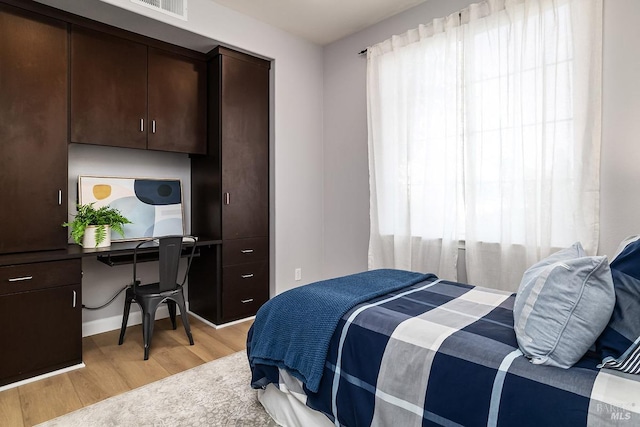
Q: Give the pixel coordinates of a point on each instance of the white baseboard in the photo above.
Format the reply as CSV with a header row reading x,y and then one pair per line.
x,y
224,325
112,323
41,377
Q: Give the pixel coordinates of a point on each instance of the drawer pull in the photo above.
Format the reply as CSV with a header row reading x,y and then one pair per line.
x,y
247,251
247,276
20,279
247,301
74,299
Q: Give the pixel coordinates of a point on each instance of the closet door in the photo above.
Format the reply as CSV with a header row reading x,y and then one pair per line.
x,y
244,135
33,132
108,90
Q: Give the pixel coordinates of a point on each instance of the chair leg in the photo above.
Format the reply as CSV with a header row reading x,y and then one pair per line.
x,y
185,322
185,317
125,316
147,332
148,319
171,305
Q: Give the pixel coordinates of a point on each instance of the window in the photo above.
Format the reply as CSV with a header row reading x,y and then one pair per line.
x,y
484,127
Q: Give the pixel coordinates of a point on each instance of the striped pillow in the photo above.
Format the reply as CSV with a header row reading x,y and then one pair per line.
x,y
619,344
629,362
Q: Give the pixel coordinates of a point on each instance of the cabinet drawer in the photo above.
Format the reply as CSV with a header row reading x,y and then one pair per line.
x,y
245,288
41,275
240,251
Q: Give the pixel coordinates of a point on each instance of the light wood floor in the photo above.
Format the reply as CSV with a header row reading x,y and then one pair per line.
x,y
112,369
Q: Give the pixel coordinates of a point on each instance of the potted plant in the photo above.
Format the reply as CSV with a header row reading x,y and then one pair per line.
x,y
91,227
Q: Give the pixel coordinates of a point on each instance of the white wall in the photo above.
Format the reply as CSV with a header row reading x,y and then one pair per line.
x,y
296,133
101,282
346,187
620,174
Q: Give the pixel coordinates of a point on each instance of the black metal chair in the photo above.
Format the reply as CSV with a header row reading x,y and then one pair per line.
x,y
167,289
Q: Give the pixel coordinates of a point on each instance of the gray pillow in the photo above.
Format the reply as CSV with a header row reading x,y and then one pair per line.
x,y
563,304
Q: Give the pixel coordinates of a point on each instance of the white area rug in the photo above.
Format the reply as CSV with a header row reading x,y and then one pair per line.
x,y
214,394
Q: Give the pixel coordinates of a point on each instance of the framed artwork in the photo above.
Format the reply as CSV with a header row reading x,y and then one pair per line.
x,y
154,206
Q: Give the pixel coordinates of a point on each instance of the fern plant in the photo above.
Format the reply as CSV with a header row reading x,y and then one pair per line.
x,y
88,215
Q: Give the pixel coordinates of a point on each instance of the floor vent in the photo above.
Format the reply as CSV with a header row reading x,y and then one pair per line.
x,y
175,8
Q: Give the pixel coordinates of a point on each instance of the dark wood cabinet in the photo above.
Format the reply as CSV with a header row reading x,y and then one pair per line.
x,y
33,131
66,79
230,186
177,103
41,318
127,94
245,287
244,146
108,90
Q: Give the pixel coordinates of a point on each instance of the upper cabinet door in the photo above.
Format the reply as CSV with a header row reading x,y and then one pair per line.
x,y
108,90
177,103
33,132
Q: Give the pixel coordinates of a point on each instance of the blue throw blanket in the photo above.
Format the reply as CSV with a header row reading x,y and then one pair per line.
x,y
292,331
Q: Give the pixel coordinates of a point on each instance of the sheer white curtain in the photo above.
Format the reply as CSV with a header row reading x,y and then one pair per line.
x,y
502,152
415,148
532,133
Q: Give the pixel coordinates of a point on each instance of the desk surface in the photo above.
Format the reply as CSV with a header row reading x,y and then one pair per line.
x,y
75,251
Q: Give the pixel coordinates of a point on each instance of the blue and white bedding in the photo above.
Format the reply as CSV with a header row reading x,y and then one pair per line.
x,y
438,352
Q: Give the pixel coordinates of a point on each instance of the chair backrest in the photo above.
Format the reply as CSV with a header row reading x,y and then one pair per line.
x,y
170,252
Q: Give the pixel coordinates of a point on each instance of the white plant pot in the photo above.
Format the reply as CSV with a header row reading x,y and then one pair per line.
x,y
89,238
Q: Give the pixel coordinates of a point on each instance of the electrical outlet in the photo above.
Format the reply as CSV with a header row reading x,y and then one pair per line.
x,y
298,274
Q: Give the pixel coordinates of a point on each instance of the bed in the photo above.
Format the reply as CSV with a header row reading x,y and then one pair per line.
x,y
414,350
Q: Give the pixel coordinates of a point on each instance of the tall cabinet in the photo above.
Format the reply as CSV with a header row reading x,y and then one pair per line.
x,y
40,302
230,190
33,131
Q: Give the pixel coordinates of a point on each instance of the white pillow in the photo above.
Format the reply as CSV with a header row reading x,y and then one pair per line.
x,y
563,304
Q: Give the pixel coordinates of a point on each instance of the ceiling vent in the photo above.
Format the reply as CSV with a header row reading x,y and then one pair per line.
x,y
175,8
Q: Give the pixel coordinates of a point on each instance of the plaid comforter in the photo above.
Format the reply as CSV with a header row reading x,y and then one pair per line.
x,y
444,353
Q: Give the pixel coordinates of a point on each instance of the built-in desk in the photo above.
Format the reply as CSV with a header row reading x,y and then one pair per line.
x,y
122,252
41,304
118,252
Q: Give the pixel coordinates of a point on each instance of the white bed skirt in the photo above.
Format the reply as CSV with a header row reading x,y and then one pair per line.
x,y
287,410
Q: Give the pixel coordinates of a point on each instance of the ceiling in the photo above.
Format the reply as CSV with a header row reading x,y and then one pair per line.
x,y
320,21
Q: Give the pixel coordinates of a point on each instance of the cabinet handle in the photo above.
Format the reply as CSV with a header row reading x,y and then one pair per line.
x,y
227,198
141,125
247,251
74,299
20,279
247,276
153,126
246,301
59,197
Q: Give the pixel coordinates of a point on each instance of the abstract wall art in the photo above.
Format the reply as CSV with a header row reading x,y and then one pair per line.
x,y
154,206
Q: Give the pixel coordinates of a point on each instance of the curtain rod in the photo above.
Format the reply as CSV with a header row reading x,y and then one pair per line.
x,y
363,51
